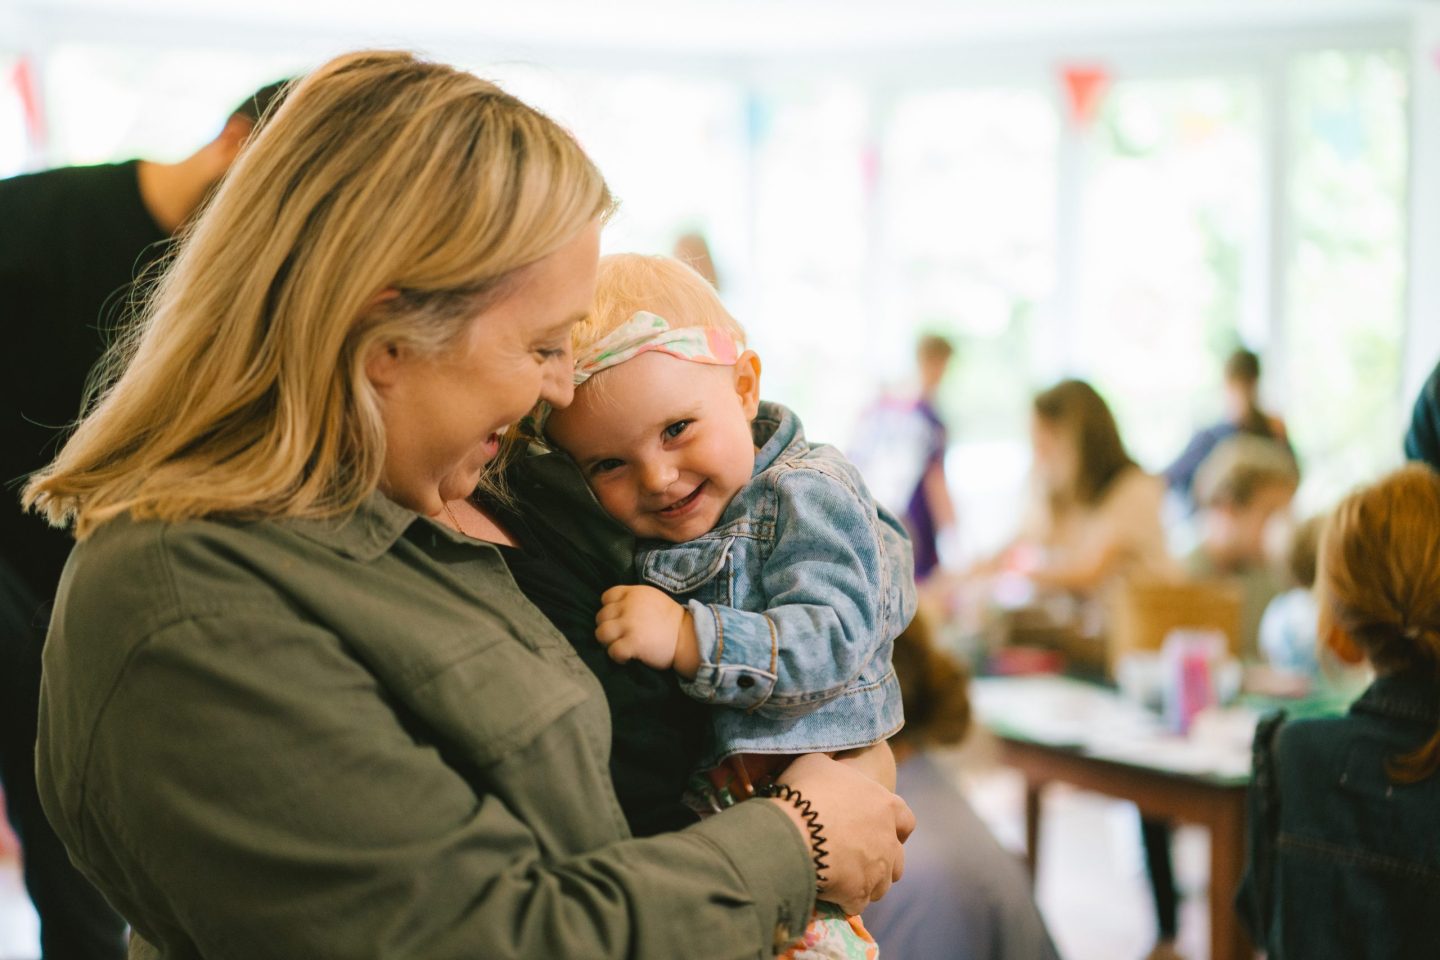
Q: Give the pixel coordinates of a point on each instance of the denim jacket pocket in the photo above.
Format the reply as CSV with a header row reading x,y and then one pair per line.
x,y
685,568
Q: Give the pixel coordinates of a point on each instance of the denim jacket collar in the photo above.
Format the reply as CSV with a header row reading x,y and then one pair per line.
x,y
1404,696
777,434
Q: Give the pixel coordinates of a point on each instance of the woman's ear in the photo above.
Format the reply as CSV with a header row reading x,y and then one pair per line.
x,y
1343,645
382,365
747,382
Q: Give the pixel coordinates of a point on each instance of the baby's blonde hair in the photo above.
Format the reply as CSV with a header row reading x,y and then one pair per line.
x,y
631,282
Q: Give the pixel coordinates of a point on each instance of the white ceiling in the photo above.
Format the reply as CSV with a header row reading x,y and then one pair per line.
x,y
729,28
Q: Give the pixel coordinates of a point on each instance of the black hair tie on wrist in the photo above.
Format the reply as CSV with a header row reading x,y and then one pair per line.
x,y
818,853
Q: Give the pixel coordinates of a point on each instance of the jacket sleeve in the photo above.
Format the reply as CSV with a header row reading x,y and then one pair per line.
x,y
1254,900
315,819
833,568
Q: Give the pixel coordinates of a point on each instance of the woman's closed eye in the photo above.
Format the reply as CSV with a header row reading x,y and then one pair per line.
x,y
677,428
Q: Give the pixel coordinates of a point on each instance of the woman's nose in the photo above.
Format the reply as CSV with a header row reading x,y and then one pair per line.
x,y
558,388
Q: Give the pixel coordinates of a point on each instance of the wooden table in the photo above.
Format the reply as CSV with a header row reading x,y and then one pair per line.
x,y
1216,802
1219,807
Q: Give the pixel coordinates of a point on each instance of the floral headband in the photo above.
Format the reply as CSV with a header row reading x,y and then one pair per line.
x,y
648,333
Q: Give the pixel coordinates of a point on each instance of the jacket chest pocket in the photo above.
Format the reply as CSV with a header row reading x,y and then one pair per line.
x,y
701,570
494,701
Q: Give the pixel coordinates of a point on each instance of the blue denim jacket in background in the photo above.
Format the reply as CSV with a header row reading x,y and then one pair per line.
x,y
797,596
1344,864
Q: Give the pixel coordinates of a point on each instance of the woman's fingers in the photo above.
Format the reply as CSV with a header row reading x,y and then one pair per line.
x,y
864,826
904,824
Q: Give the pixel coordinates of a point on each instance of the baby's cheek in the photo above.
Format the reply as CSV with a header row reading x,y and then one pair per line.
x,y
614,500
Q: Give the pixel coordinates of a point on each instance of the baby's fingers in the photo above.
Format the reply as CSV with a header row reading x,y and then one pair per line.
x,y
610,631
622,651
615,594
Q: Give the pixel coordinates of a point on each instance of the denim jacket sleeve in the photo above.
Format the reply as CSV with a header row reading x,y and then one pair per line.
x,y
832,570
1253,901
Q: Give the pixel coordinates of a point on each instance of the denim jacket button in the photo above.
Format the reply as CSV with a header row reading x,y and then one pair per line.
x,y
745,682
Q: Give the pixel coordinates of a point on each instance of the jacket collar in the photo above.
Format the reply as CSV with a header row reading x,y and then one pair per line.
x,y
776,430
1405,696
364,534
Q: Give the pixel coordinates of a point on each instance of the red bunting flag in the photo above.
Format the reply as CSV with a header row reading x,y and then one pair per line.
x,y
1085,87
23,79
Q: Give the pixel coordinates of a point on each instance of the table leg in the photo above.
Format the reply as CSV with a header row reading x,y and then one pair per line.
x,y
1032,828
1227,860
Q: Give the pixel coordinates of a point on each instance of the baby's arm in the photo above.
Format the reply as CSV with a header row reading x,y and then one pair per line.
x,y
823,587
876,761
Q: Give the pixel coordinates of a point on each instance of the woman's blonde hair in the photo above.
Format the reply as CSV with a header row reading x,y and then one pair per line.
x,y
628,283
241,391
1379,582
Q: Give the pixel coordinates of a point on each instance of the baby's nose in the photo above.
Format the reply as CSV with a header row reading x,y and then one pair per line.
x,y
658,476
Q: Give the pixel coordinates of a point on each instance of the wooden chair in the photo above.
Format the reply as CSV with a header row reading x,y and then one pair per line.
x,y
1144,612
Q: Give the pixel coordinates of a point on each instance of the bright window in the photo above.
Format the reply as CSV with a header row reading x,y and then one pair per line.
x,y
969,193
1171,227
1345,275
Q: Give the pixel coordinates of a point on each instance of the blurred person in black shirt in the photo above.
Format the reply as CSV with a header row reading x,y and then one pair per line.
x,y
73,243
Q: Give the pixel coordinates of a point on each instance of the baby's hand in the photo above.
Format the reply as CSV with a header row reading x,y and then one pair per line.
x,y
642,623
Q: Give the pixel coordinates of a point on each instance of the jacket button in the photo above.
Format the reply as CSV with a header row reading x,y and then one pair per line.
x,y
745,682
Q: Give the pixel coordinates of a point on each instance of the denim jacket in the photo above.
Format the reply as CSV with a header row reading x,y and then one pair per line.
x,y
797,596
1342,862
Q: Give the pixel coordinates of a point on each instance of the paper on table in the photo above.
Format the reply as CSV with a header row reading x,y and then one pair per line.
x,y
1061,712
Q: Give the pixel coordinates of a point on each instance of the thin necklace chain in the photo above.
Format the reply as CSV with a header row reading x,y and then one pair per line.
x,y
454,520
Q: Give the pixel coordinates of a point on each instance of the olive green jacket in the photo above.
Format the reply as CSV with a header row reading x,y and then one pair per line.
x,y
357,739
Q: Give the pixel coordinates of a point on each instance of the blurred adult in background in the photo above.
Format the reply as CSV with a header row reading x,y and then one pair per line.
x,y
963,897
1242,487
1242,414
1094,518
1423,441
1094,524
73,241
900,446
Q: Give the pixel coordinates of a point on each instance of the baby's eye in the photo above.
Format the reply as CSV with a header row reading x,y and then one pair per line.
x,y
604,466
676,428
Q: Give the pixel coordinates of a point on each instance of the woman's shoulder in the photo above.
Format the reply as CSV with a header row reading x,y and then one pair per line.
x,y
1133,491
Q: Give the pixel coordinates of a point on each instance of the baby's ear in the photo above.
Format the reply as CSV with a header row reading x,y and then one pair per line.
x,y
747,382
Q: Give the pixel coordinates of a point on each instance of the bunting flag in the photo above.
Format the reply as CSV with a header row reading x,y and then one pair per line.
x,y
22,77
1085,87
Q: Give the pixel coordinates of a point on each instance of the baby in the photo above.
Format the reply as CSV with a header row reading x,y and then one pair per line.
x,y
772,583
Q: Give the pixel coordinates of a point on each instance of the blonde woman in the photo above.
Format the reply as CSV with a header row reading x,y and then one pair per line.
x,y
294,706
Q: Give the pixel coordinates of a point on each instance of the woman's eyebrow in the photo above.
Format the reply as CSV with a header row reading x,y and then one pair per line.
x,y
564,325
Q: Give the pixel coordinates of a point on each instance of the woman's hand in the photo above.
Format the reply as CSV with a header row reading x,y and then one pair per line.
x,y
864,825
